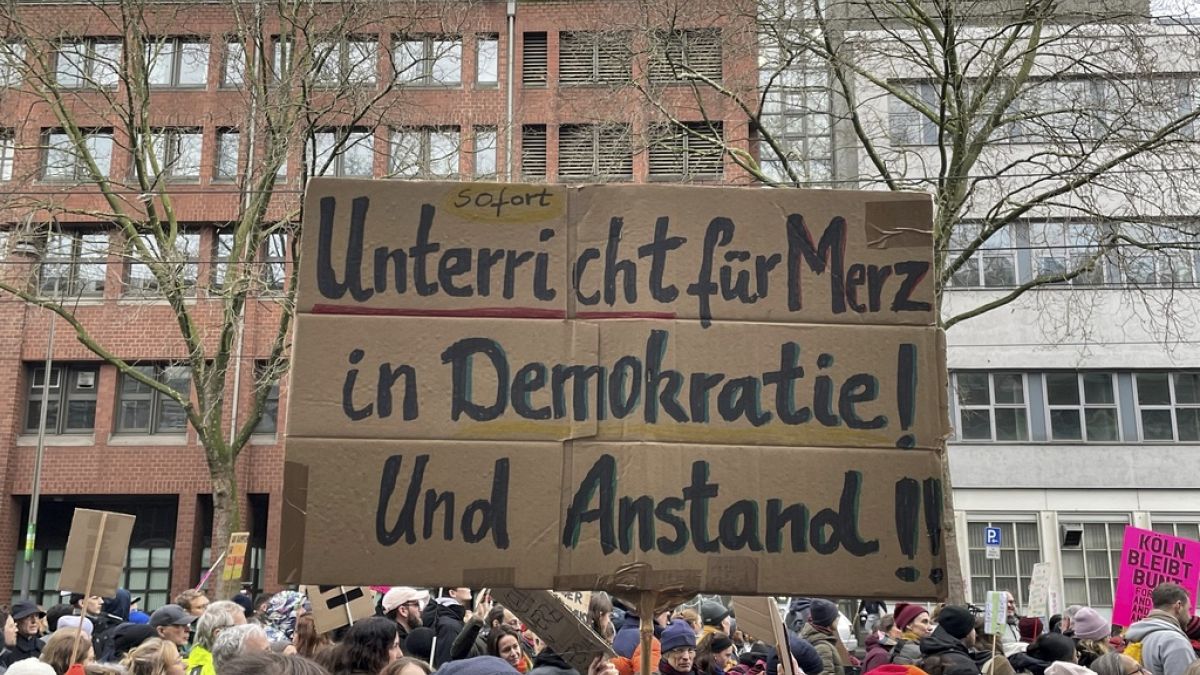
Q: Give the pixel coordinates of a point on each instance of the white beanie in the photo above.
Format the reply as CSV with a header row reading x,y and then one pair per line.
x,y
73,621
30,666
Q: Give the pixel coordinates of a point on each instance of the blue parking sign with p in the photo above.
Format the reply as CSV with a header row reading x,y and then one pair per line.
x,y
991,536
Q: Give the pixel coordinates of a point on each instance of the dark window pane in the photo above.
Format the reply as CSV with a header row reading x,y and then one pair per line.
x,y
1010,388
973,389
976,425
1153,389
1097,388
1062,388
1102,424
1011,425
1064,425
1187,388
1156,425
1189,423
81,415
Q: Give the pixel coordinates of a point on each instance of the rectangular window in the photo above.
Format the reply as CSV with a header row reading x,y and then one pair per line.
x,y
1090,570
177,62
74,265
282,55
1168,406
487,60
533,152
141,409
233,65
268,423
342,152
681,55
347,62
424,152
907,124
1020,550
148,574
695,151
429,60
991,406
594,58
62,161
70,400
87,63
1062,249
533,59
228,142
1185,530
992,265
1083,407
176,152
221,258
181,264
274,261
12,63
595,152
485,153
8,151
1167,266
796,111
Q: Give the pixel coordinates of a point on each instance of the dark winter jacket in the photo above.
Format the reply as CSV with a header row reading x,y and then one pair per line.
x,y
944,654
1024,663
879,651
549,663
826,646
446,621
26,647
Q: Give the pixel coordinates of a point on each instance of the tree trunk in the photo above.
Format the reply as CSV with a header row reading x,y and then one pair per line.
x,y
955,584
227,518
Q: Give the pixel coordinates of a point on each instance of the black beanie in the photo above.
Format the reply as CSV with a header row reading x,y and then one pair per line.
x,y
712,613
957,621
720,642
419,643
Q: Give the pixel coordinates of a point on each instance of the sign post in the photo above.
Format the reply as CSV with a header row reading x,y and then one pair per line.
x,y
992,542
626,370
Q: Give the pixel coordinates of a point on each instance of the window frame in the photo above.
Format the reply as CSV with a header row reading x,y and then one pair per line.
x,y
345,73
480,40
8,154
190,267
991,407
271,403
1072,252
176,66
344,139
89,74
1114,553
75,260
158,401
1081,407
231,78
1020,591
427,62
67,374
1173,405
12,63
491,150
170,158
999,246
220,154
425,159
78,167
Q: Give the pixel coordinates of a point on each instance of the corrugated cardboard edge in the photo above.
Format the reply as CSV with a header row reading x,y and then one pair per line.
x,y
291,530
888,223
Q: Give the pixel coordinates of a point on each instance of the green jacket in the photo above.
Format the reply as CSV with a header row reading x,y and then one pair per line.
x,y
200,662
826,646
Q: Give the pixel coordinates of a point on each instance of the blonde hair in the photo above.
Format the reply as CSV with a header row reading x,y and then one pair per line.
x,y
691,616
185,598
152,657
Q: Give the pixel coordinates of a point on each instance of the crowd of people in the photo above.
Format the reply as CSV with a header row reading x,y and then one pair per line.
x,y
457,633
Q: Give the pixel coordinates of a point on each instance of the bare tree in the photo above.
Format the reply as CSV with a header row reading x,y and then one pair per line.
x,y
304,81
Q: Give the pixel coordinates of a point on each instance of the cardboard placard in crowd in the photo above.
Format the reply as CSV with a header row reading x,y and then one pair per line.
x,y
617,388
556,624
337,606
235,556
578,602
758,617
97,547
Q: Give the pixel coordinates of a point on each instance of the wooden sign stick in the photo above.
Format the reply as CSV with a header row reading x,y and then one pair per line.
x,y
646,609
87,593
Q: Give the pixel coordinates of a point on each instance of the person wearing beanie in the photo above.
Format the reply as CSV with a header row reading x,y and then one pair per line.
x,y
714,654
714,617
419,643
947,650
1192,631
879,644
1068,620
1091,634
476,665
913,622
803,655
1044,651
821,633
1029,629
678,644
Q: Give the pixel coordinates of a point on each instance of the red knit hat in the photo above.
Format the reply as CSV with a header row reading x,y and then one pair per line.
x,y
1193,628
1030,628
896,669
906,613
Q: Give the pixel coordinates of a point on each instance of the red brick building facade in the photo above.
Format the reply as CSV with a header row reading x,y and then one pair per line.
x,y
575,118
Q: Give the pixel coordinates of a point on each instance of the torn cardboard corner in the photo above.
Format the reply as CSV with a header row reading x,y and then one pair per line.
x,y
556,625
97,547
622,516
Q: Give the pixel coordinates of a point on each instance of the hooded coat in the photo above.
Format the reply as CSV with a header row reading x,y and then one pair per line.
x,y
445,617
879,651
944,654
549,663
826,646
1166,650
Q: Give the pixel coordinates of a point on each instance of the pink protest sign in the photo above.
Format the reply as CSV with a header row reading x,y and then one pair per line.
x,y
1147,560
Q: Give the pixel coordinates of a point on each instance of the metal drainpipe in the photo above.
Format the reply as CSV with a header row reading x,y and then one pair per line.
x,y
508,146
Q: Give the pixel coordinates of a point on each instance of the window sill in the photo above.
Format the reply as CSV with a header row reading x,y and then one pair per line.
x,y
179,87
430,86
77,301
488,86
156,300
263,439
593,85
127,439
680,178
58,440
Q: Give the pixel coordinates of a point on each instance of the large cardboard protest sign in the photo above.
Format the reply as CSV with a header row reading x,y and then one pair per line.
x,y
337,606
617,387
556,624
758,617
97,546
1148,559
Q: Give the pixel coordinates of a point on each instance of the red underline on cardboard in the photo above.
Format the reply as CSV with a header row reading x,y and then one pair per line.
x,y
479,312
625,315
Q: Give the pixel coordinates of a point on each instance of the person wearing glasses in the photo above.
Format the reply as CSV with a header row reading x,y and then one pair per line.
x,y
1166,650
1115,663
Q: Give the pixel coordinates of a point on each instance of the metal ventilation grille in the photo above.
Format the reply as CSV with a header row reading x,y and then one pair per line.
x,y
594,58
533,152
677,153
676,55
594,152
533,60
